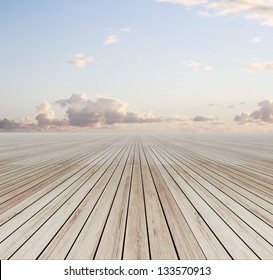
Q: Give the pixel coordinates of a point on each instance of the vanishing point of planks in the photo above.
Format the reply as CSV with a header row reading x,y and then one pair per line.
x,y
135,196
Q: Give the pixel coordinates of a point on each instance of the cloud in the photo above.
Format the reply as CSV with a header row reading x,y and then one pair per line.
x,y
80,60
6,124
260,10
46,116
204,14
263,115
83,113
184,2
202,118
196,65
125,29
103,111
258,66
232,106
256,40
110,40
213,104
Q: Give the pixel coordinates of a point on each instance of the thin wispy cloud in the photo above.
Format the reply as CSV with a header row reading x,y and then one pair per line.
x,y
125,29
204,14
260,10
258,66
185,2
256,40
264,114
233,106
196,65
111,40
81,60
230,106
213,104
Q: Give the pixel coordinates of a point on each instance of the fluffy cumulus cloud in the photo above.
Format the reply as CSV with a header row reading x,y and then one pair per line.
x,y
103,111
263,115
6,124
261,10
83,113
81,60
46,116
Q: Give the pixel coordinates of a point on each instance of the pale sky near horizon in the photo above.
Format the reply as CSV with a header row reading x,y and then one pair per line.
x,y
142,61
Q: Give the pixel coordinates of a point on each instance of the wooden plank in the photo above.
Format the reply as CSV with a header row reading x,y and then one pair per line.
x,y
136,244
88,239
111,244
64,206
202,203
122,196
22,212
187,246
62,242
29,195
194,239
160,237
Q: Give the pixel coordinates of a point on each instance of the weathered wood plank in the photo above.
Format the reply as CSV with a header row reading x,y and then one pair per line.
x,y
184,239
128,196
87,241
160,237
136,244
60,209
111,244
202,201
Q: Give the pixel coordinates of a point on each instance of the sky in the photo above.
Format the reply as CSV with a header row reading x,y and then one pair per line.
x,y
184,65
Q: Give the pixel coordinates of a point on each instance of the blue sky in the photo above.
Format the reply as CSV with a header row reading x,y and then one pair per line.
x,y
191,63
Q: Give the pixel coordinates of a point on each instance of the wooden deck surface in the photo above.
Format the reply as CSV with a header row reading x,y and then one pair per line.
x,y
135,196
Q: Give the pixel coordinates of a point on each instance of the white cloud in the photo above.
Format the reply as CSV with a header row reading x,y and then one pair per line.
x,y
46,116
260,10
81,60
204,14
256,40
257,66
125,29
263,115
82,112
104,111
44,119
196,65
110,40
185,2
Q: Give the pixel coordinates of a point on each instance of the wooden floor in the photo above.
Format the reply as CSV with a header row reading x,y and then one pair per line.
x,y
136,196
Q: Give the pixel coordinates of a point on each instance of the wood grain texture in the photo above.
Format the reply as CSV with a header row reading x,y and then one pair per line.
x,y
136,196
